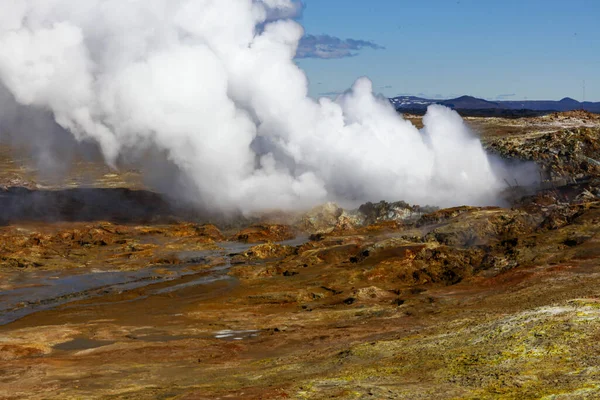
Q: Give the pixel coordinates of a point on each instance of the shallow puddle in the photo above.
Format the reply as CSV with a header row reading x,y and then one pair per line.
x,y
228,334
196,282
54,289
82,344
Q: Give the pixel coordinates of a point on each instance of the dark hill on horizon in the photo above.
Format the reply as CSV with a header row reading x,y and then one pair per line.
x,y
474,105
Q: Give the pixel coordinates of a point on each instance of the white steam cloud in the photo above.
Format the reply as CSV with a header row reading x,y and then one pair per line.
x,y
213,85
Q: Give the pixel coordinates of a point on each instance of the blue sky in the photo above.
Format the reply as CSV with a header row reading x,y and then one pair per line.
x,y
509,49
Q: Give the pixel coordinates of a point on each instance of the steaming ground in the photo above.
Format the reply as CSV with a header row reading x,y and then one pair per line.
x,y
208,90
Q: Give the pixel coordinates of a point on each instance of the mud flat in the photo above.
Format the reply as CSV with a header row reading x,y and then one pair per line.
x,y
391,302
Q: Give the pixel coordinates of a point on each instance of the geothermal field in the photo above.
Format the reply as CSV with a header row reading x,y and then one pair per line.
x,y
110,290
179,219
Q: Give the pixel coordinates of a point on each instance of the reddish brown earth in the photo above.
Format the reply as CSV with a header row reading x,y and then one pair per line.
x,y
462,303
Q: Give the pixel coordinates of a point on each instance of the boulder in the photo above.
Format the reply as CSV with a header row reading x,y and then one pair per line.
x,y
265,233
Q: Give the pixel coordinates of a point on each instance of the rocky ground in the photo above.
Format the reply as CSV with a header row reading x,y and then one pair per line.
x,y
390,301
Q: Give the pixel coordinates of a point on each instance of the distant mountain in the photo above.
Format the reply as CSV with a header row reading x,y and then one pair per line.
x,y
566,104
470,103
411,103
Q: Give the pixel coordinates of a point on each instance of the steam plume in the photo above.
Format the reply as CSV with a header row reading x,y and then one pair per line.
x,y
212,85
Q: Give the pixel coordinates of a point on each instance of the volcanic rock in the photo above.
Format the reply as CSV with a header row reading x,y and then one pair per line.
x,y
322,219
267,251
265,233
398,211
564,155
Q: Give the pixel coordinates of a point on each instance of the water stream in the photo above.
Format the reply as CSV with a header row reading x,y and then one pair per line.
x,y
42,290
